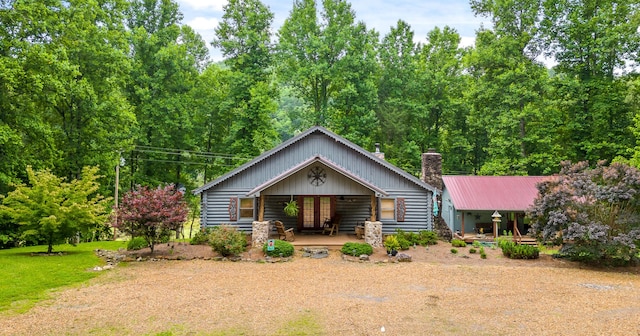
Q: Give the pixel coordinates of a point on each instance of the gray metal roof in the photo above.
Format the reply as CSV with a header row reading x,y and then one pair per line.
x,y
335,137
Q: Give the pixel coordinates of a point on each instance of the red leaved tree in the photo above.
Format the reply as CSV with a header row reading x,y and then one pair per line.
x,y
151,213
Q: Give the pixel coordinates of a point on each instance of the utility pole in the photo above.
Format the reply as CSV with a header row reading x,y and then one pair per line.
x,y
120,162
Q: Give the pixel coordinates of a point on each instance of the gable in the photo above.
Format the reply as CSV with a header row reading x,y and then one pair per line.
x,y
339,180
362,166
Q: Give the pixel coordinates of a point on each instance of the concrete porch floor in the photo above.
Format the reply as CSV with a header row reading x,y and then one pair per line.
x,y
318,239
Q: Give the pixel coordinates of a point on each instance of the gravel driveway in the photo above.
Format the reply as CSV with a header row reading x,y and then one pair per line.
x,y
437,294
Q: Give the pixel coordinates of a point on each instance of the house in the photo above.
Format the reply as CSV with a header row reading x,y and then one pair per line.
x,y
468,202
327,175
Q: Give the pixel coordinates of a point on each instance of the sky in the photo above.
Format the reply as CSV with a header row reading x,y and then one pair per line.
x,y
381,15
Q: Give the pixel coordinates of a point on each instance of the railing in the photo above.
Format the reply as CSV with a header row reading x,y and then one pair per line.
x,y
517,237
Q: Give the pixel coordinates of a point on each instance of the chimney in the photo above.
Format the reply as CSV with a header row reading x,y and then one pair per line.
x,y
377,153
432,168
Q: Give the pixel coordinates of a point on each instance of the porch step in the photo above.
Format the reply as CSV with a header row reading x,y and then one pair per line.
x,y
529,241
320,240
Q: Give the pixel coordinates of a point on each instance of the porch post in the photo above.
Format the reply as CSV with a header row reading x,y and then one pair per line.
x,y
261,209
374,209
462,228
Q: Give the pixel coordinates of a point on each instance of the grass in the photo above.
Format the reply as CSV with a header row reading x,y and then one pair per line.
x,y
27,279
304,324
548,250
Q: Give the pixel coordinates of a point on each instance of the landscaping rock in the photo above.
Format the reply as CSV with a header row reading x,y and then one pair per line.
x,y
315,252
403,257
364,257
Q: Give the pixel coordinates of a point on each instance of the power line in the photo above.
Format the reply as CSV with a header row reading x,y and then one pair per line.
x,y
228,157
175,151
185,162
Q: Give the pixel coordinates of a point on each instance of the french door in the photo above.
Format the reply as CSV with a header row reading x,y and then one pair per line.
x,y
315,209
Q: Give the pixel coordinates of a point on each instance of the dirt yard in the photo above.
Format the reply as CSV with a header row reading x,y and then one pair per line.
x,y
439,293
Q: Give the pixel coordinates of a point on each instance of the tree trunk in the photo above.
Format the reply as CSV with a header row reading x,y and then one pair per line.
x,y
50,242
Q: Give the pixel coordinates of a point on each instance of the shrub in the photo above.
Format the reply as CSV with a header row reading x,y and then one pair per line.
x,y
281,248
454,251
137,243
426,237
422,238
594,209
201,237
472,250
476,244
391,243
227,241
356,249
458,243
152,213
483,255
404,243
516,251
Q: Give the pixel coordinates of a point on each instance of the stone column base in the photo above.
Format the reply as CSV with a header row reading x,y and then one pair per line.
x,y
373,233
259,233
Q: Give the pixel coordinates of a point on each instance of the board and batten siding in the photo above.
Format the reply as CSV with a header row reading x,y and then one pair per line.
x,y
313,145
336,184
418,216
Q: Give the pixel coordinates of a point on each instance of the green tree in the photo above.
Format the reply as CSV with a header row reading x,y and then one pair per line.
x,y
244,39
352,113
511,118
63,76
167,57
211,123
439,92
329,61
508,95
398,97
592,41
54,210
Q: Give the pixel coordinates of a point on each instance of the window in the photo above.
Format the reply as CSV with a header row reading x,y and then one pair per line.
x,y
387,208
246,208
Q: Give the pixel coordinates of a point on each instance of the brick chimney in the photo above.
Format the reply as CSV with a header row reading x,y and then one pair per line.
x,y
432,168
377,153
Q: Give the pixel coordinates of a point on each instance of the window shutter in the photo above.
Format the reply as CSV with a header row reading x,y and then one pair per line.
x,y
400,209
233,209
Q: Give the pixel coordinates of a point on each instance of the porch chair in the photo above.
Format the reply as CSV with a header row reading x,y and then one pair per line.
x,y
284,234
331,225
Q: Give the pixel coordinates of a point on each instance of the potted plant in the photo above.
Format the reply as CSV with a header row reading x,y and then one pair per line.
x,y
291,208
392,245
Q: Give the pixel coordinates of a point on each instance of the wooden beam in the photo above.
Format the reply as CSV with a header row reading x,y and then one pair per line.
x,y
374,209
462,229
261,209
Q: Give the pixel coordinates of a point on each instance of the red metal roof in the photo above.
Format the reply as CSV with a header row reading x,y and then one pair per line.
x,y
513,193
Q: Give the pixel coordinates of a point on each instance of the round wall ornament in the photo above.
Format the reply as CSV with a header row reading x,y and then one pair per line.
x,y
317,176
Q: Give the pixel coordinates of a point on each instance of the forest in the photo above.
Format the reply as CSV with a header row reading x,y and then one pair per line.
x,y
124,83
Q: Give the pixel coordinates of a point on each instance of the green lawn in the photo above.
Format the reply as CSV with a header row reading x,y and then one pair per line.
x,y
26,279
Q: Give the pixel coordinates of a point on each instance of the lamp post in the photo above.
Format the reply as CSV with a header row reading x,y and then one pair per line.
x,y
496,223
